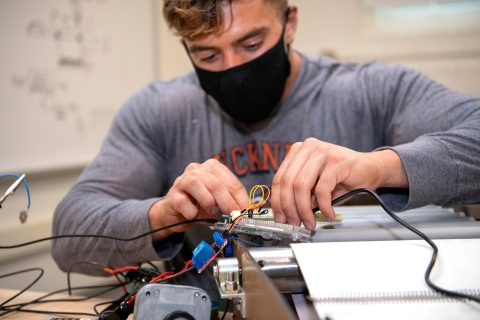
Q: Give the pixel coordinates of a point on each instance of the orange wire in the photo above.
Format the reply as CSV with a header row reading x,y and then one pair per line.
x,y
254,205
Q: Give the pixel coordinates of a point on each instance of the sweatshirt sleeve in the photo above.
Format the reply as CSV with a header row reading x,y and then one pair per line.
x,y
434,130
115,192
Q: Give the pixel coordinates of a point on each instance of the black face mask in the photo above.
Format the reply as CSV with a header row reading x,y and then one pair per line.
x,y
251,91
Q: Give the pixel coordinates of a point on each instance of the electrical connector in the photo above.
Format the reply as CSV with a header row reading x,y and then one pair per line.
x,y
202,253
235,214
219,240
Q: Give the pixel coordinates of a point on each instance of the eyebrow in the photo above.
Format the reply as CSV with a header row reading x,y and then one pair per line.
x,y
252,33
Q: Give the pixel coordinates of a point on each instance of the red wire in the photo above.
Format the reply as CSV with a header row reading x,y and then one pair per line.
x,y
164,275
120,281
114,271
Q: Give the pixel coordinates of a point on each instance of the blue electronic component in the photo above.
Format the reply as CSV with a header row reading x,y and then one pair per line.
x,y
201,254
217,237
228,250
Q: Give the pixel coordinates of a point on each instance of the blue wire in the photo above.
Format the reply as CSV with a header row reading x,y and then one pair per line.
x,y
243,240
24,183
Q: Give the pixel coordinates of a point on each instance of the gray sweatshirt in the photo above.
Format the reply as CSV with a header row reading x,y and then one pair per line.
x,y
167,125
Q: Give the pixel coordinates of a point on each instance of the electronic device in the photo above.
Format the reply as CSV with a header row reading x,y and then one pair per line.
x,y
171,302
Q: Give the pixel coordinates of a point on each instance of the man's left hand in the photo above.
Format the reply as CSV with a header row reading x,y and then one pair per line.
x,y
315,172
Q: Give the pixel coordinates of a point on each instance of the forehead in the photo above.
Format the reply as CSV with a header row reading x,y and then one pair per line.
x,y
241,17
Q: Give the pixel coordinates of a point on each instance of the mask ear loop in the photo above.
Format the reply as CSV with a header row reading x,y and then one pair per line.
x,y
287,46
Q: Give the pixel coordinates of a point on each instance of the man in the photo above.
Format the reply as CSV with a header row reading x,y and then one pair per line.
x,y
202,139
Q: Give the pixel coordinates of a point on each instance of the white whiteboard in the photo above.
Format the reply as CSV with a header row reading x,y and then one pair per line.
x,y
65,69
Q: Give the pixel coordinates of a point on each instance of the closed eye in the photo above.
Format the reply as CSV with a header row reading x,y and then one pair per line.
x,y
253,47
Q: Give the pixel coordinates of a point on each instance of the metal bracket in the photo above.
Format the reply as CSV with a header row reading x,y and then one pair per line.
x,y
227,277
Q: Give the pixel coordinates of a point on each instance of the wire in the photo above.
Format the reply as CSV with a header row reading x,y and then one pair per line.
x,y
153,266
246,241
24,183
108,237
54,312
69,271
27,287
226,309
414,230
216,304
251,205
101,304
18,307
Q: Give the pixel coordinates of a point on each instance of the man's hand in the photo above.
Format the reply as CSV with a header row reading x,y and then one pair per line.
x,y
201,191
315,172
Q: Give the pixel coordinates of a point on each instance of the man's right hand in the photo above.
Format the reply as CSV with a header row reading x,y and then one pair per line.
x,y
202,191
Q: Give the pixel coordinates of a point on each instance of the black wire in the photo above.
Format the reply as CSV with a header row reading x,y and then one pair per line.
x,y
226,310
69,271
131,294
414,230
53,312
109,237
175,275
152,265
26,288
100,304
19,307
40,299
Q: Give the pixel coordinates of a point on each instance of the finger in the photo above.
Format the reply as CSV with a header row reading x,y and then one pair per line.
x,y
202,183
234,186
323,191
195,186
339,191
179,203
290,180
304,183
276,183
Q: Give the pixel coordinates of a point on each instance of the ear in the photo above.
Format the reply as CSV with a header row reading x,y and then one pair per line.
x,y
291,26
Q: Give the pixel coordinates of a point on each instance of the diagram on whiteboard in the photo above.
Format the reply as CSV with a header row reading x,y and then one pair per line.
x,y
66,67
76,43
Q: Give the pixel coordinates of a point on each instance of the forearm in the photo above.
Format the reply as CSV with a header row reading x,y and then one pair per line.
x,y
83,213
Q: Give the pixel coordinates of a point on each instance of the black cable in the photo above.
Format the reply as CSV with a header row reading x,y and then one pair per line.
x,y
100,304
226,310
175,275
109,237
414,230
153,266
26,288
54,312
19,307
69,271
40,299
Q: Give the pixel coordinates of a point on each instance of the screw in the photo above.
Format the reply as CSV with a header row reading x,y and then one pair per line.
x,y
239,304
231,284
196,294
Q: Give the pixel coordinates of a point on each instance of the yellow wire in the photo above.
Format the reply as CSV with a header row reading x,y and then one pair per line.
x,y
262,201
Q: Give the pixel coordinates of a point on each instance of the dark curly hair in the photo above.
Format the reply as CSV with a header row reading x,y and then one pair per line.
x,y
196,19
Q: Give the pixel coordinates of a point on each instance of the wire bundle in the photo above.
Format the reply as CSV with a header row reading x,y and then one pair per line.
x,y
160,277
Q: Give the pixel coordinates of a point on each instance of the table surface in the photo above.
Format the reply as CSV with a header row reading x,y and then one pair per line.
x,y
70,306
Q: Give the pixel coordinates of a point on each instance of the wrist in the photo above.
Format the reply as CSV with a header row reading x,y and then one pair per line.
x,y
391,170
155,215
